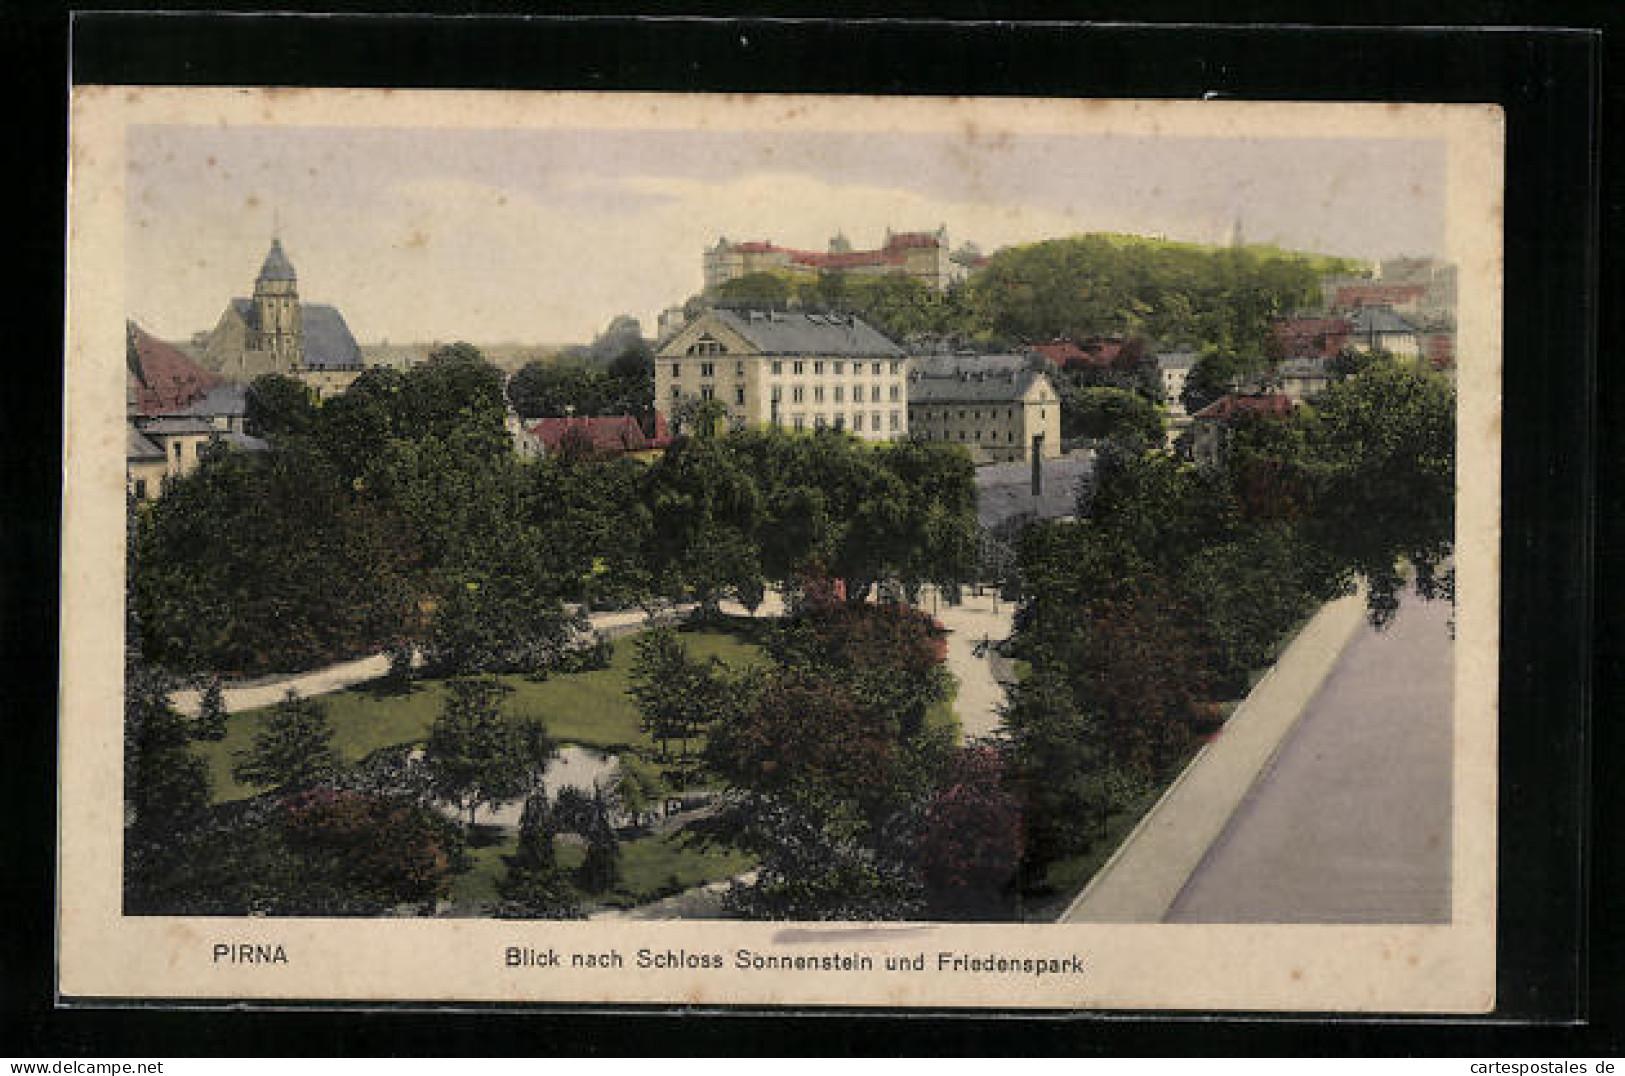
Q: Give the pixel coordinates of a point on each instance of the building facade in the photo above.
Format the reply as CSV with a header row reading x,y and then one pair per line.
x,y
925,256
798,371
991,405
274,332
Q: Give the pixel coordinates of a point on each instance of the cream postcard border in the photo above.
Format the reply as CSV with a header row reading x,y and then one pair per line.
x,y
102,954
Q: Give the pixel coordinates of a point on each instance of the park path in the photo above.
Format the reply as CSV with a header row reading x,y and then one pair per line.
x,y
980,696
346,674
1350,823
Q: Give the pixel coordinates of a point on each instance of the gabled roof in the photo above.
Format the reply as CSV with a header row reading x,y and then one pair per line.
x,y
607,434
780,332
1095,353
1378,319
165,378
276,265
1234,406
328,342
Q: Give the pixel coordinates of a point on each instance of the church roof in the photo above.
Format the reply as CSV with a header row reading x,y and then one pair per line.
x,y
328,342
167,381
277,266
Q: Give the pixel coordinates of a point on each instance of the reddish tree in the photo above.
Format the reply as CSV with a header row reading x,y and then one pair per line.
x,y
387,847
972,838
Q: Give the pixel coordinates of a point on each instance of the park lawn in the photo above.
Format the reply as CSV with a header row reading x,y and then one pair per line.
x,y
651,867
592,709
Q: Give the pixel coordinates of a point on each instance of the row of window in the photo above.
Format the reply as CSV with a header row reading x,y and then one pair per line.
x,y
926,414
798,366
894,421
798,394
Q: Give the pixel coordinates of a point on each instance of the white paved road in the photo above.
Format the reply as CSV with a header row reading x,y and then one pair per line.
x,y
1350,823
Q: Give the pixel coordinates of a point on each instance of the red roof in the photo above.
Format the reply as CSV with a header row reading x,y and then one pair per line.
x,y
893,253
167,380
1349,296
1095,353
608,434
1305,338
907,240
1233,406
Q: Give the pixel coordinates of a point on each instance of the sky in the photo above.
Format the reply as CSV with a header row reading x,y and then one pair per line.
x,y
542,236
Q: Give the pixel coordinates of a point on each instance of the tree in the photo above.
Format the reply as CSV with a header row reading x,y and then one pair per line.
x,y
278,407
475,756
533,886
677,696
971,840
211,716
452,354
1099,413
293,750
754,290
639,788
380,850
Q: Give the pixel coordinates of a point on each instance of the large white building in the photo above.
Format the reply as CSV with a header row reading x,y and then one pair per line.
x,y
795,370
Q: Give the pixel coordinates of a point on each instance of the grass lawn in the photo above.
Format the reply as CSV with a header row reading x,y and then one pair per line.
x,y
651,868
592,709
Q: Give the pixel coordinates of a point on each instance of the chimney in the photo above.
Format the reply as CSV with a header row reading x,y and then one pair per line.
x,y
1038,465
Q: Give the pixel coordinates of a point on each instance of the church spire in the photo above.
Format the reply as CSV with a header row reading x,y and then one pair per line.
x,y
276,266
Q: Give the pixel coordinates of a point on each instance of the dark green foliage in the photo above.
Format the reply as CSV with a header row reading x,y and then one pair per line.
x,y
293,750
211,716
1098,413
477,756
279,408
534,887
677,696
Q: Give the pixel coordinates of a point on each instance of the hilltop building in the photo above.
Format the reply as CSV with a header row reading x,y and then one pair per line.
x,y
925,256
274,332
791,369
992,405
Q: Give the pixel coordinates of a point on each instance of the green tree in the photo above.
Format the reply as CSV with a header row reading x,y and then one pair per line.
x,y
294,749
533,886
1098,413
677,695
639,789
211,716
279,407
475,756
754,290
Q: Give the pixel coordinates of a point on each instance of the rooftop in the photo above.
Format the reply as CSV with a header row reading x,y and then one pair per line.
x,y
780,332
1236,406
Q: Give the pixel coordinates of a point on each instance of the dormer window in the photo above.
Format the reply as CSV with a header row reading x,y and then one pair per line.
x,y
707,345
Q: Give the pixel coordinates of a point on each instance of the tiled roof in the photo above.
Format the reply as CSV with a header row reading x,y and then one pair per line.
x,y
1065,353
1299,337
779,332
277,266
893,252
606,434
227,399
166,380
1232,406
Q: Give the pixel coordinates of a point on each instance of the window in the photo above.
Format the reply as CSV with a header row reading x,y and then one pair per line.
x,y
896,420
978,435
708,369
975,414
798,367
875,369
874,394
778,393
818,421
707,392
676,393
840,393
840,422
798,394
961,435
896,393
893,367
839,368
857,421
778,367
141,488
739,394
874,422
177,451
818,394
739,368
198,449
818,367
677,369
798,421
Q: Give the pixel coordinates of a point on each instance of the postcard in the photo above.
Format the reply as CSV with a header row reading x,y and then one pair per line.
x,y
685,549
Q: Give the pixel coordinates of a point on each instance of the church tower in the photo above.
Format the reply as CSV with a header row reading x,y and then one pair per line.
x,y
276,306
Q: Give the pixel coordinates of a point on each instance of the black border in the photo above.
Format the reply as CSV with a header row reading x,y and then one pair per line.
x,y
1547,80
